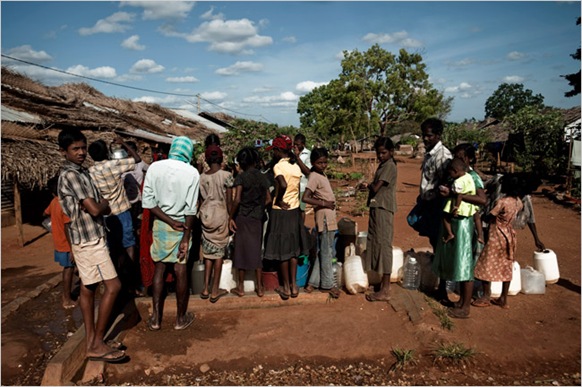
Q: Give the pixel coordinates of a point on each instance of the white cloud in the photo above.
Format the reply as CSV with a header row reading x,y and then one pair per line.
x,y
263,89
162,10
182,79
516,55
111,24
230,36
146,66
513,79
462,87
169,100
290,39
27,53
400,37
340,55
214,95
284,99
131,43
99,72
210,15
240,67
307,86
461,63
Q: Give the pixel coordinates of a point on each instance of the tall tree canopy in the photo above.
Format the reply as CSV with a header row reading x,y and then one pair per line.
x,y
376,90
510,98
574,79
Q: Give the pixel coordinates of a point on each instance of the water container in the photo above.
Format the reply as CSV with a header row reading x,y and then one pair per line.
x,y
397,263
249,282
197,277
361,243
227,281
337,269
532,281
546,262
302,270
355,278
514,285
411,280
270,280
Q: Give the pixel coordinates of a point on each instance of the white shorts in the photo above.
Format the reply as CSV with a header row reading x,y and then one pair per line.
x,y
93,261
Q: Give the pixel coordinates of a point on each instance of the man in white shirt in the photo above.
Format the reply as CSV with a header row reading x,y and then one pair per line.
x,y
304,161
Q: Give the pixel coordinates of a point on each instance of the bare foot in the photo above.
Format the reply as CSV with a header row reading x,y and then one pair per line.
x,y
237,291
500,302
448,238
260,291
69,304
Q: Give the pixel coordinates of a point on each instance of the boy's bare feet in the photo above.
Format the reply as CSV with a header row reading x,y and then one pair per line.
x,y
378,296
448,238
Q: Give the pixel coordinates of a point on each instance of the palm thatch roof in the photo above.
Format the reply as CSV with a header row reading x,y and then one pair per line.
x,y
34,114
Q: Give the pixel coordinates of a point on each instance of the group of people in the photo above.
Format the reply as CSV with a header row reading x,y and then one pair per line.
x,y
261,208
470,225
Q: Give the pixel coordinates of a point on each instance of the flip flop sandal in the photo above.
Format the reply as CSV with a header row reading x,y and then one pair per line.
x,y
105,357
294,295
308,289
152,326
220,295
115,344
237,292
333,292
481,303
457,313
280,292
189,317
372,298
260,292
496,302
204,296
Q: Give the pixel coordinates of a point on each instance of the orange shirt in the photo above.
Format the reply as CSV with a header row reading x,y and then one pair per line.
x,y
58,220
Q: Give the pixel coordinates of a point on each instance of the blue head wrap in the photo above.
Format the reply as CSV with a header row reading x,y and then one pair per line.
x,y
182,149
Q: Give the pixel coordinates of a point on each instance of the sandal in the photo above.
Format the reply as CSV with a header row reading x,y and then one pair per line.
x,y
333,292
479,303
308,289
188,320
205,296
295,294
237,292
260,292
281,292
153,326
220,295
457,313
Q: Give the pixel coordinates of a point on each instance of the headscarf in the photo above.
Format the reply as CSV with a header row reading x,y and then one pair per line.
x,y
182,149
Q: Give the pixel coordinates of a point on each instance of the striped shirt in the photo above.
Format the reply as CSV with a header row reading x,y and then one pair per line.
x,y
74,186
434,167
106,175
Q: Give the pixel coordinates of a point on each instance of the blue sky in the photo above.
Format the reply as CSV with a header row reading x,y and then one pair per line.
x,y
254,60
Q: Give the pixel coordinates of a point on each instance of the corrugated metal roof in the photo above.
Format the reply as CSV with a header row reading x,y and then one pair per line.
x,y
195,117
140,133
16,116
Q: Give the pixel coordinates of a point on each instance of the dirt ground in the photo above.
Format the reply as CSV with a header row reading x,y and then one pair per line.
x,y
345,342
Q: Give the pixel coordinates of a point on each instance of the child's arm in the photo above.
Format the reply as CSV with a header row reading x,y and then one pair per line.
x,y
375,187
94,208
130,151
234,207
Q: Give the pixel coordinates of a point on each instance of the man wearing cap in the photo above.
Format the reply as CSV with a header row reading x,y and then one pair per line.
x,y
171,193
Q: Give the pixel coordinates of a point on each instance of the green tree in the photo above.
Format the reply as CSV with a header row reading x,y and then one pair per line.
x,y
376,90
574,79
509,98
539,144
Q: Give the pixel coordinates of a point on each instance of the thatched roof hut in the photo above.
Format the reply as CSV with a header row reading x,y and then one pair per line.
x,y
34,114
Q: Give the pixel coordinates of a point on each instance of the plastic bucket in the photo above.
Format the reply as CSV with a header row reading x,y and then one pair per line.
x,y
546,262
397,263
249,283
302,271
270,280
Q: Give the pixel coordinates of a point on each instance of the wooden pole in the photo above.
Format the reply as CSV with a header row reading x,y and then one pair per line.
x,y
18,215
